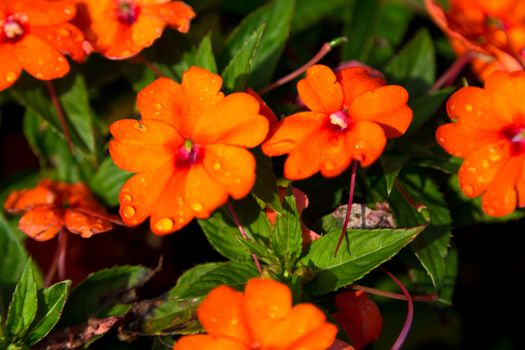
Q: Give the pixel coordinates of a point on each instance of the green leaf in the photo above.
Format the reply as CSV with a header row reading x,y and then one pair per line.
x,y
23,307
235,74
286,239
265,187
364,251
223,234
107,181
12,263
431,247
426,106
204,57
274,19
51,302
308,13
414,67
105,293
392,165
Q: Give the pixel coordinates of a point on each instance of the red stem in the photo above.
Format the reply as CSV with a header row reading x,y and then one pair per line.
x,y
410,313
453,71
425,298
326,48
59,260
349,208
244,235
60,113
150,65
411,201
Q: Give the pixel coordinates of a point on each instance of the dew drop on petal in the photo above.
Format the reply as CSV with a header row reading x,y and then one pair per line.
x,y
217,166
469,108
128,211
141,127
237,181
472,169
180,202
468,190
10,76
228,173
157,106
68,11
485,163
164,225
39,75
63,32
490,211
127,198
197,207
126,189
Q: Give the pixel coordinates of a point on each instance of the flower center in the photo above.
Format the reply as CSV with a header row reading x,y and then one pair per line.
x,y
13,28
516,135
339,119
127,11
189,153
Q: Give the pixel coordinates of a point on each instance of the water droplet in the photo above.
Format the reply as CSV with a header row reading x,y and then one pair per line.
x,y
126,189
490,211
63,32
141,127
10,76
127,198
197,207
469,108
452,107
164,225
442,140
482,179
40,62
180,220
485,164
157,106
228,173
494,157
128,211
237,180
61,59
472,169
468,190
217,166
39,75
68,11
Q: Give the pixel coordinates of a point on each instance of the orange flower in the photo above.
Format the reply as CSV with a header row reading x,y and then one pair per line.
x,y
262,318
489,132
359,317
119,29
34,35
189,150
352,114
493,29
53,206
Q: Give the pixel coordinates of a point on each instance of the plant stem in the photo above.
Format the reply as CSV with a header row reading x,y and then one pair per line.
x,y
244,235
150,65
326,48
453,71
410,313
425,298
59,260
349,207
60,113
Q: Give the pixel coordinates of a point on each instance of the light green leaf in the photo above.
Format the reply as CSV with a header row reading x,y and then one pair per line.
x,y
392,165
108,180
204,57
364,251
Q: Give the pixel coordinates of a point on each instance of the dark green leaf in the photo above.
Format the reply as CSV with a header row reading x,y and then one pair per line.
x,y
51,302
426,106
414,67
204,57
308,13
23,307
265,187
362,252
392,165
107,181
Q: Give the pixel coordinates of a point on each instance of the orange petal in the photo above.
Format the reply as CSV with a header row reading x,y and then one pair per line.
x,y
123,45
235,120
201,90
320,338
42,13
163,100
460,141
221,314
231,167
264,109
146,30
40,59
301,320
355,82
293,130
140,194
10,69
320,90
96,19
501,197
172,210
385,106
507,90
365,141
479,168
80,223
267,301
335,157
42,223
473,107
143,146
305,159
206,342
64,37
23,200
176,14
203,194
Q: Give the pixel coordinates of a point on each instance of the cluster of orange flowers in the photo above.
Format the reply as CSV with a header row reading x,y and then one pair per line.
x,y
36,34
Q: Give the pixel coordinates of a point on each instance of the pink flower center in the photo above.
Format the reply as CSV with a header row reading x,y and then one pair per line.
x,y
13,28
127,11
516,135
340,120
189,153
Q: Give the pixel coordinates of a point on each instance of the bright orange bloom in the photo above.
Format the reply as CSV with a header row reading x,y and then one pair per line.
x,y
352,114
488,131
262,318
53,206
189,150
359,316
119,29
493,29
34,36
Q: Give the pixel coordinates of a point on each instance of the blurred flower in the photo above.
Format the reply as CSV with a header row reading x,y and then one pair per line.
x,y
488,131
34,36
495,30
52,206
261,318
359,317
189,150
119,29
352,114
